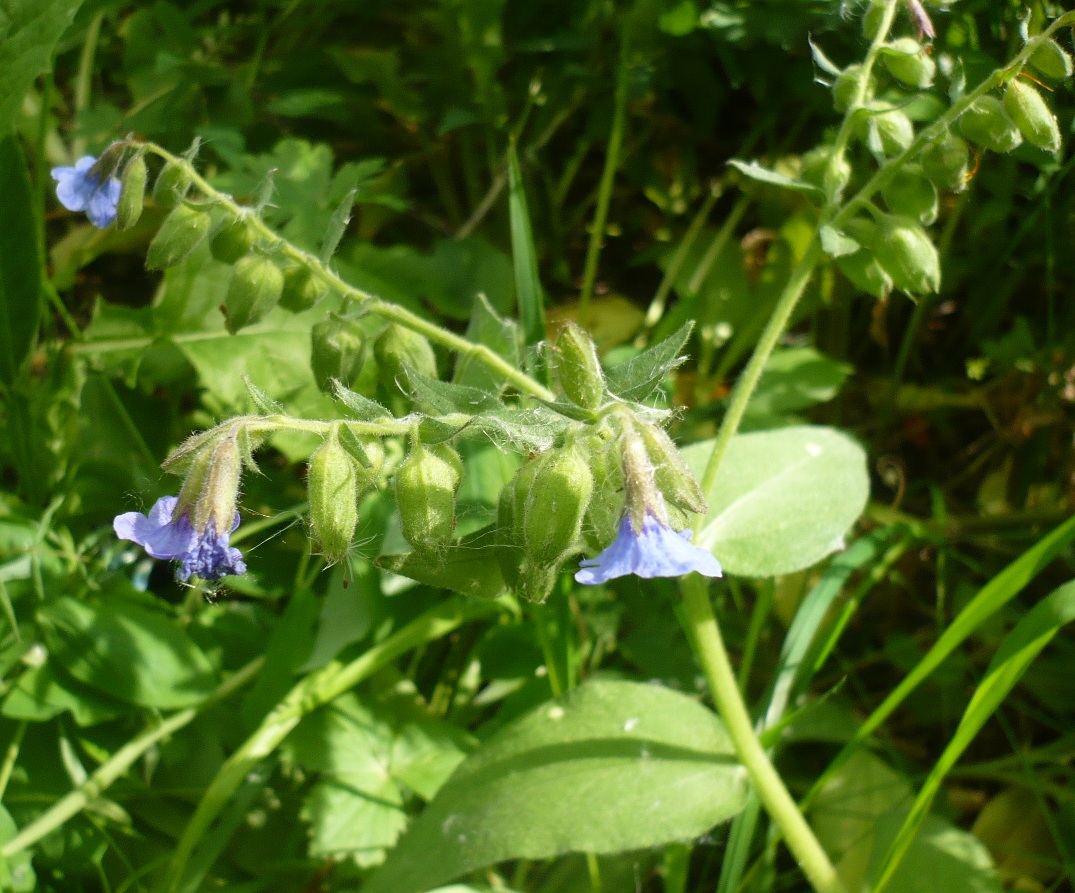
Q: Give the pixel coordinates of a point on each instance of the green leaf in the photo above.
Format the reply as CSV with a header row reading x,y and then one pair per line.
x,y
794,379
524,255
337,226
40,693
612,766
835,243
20,261
444,397
499,334
755,171
129,652
16,872
29,30
640,376
362,408
782,500
470,567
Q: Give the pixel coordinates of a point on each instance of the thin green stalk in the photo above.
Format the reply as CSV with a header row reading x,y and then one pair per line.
x,y
708,644
84,75
313,691
122,760
604,192
369,302
10,756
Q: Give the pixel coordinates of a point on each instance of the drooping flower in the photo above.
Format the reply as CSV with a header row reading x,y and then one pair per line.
x,y
83,188
655,550
206,554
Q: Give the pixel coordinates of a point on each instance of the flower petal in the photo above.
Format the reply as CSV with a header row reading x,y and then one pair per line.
x,y
655,551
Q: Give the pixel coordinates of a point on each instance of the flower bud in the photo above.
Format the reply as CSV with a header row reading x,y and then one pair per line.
x,y
210,490
885,130
254,290
815,165
910,193
861,267
172,184
335,483
908,63
509,514
132,195
426,483
674,479
908,255
555,503
397,348
180,233
946,162
872,18
1031,115
337,350
847,83
989,125
233,240
578,368
302,289
1051,60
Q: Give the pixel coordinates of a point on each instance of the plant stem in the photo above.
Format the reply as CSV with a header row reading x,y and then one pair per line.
x,y
704,633
313,691
122,760
604,192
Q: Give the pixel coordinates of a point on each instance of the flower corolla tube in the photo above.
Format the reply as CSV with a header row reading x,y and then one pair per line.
x,y
205,554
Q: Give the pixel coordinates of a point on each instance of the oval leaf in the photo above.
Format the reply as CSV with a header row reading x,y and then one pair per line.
x,y
782,500
612,766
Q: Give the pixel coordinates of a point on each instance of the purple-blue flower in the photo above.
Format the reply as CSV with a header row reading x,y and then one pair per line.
x,y
654,551
81,188
206,554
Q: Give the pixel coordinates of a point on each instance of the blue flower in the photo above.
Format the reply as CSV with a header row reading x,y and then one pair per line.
x,y
206,554
81,188
654,551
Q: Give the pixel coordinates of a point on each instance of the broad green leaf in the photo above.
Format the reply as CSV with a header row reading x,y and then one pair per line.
x,y
755,171
794,379
337,226
612,766
16,872
499,334
40,693
782,500
129,652
29,30
524,255
640,376
20,261
470,566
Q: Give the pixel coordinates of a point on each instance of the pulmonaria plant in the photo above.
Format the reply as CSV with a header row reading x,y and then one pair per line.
x,y
85,187
206,554
652,550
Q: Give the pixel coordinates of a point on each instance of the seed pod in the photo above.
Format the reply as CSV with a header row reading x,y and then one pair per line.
x,y
815,165
946,162
335,483
674,479
254,290
233,240
337,350
871,19
509,514
1032,115
578,368
908,255
843,91
426,483
398,348
885,131
172,184
302,289
132,195
908,63
987,124
180,233
1051,60
910,193
555,504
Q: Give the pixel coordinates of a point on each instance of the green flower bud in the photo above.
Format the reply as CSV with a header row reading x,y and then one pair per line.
x,y
908,63
674,479
987,124
233,240
337,350
910,193
511,507
843,91
254,290
862,267
871,20
815,165
397,348
172,184
946,162
210,490
1050,60
606,507
578,368
885,130
1032,116
426,483
555,503
132,195
536,581
908,255
336,482
302,289
180,233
